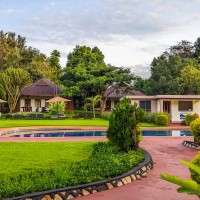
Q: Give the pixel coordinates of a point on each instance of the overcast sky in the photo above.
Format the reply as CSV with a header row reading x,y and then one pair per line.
x,y
128,32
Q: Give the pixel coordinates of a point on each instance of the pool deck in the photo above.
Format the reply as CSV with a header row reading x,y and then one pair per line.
x,y
166,153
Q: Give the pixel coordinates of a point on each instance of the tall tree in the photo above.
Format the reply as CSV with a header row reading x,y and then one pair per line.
x,y
14,53
12,82
86,74
190,80
54,61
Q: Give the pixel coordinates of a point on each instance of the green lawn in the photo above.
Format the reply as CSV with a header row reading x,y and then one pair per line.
x,y
48,122
148,125
17,158
34,167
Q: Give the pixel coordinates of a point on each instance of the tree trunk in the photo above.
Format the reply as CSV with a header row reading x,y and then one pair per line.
x,y
135,141
93,111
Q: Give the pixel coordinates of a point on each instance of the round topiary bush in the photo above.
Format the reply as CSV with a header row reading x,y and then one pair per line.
x,y
190,117
162,120
124,130
195,128
194,175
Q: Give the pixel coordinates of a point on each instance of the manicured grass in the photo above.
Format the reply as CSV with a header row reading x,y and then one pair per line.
x,y
144,124
48,122
34,167
18,158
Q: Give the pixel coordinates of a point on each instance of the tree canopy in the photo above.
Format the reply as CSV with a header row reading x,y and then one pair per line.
x,y
86,74
172,72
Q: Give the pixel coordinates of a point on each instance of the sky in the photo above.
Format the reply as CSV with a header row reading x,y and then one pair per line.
x,y
130,33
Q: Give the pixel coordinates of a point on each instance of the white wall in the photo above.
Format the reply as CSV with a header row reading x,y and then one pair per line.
x,y
176,113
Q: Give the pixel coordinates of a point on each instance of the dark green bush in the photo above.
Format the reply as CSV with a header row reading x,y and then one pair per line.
x,y
84,114
195,128
123,129
106,115
162,120
106,161
150,117
194,175
190,117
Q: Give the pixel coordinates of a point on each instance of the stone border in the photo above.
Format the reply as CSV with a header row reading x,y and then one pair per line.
x,y
191,144
81,190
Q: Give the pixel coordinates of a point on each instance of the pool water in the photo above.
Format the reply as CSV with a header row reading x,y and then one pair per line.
x,y
99,133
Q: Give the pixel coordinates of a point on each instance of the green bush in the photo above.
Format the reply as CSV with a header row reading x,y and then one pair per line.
x,y
190,117
123,130
194,175
195,128
150,117
106,161
84,114
162,120
106,115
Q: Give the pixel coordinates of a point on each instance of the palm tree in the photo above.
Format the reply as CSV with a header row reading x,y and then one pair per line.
x,y
92,102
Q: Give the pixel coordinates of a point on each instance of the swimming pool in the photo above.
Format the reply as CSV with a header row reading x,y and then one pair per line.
x,y
71,133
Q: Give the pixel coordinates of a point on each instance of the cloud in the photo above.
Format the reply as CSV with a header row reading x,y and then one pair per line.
x,y
129,32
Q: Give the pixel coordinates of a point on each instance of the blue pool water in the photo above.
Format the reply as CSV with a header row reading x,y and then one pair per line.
x,y
98,133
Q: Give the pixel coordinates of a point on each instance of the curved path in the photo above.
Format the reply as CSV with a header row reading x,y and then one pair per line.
x,y
166,153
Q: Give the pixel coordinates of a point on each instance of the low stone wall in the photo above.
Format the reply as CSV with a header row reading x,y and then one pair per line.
x,y
81,190
191,144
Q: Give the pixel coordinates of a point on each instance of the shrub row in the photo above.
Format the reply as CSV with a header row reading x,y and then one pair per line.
x,y
157,118
105,161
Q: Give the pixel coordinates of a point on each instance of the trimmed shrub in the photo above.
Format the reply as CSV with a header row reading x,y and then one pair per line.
x,y
106,115
162,119
190,117
123,130
150,117
86,114
194,175
195,128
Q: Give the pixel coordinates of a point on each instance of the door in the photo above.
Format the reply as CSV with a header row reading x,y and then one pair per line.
x,y
167,106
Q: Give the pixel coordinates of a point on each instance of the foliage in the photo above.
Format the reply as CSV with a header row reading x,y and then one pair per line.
x,y
86,75
15,54
123,130
195,175
172,72
12,82
195,128
190,117
54,60
189,80
57,106
141,84
162,120
187,186
106,115
85,114
92,102
105,161
150,117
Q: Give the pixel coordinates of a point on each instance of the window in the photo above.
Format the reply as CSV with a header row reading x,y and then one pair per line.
x,y
185,106
145,105
38,103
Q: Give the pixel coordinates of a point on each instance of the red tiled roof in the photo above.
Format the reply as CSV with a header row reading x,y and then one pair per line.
x,y
42,87
112,92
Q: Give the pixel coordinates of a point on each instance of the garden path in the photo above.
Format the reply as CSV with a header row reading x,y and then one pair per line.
x,y
166,153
